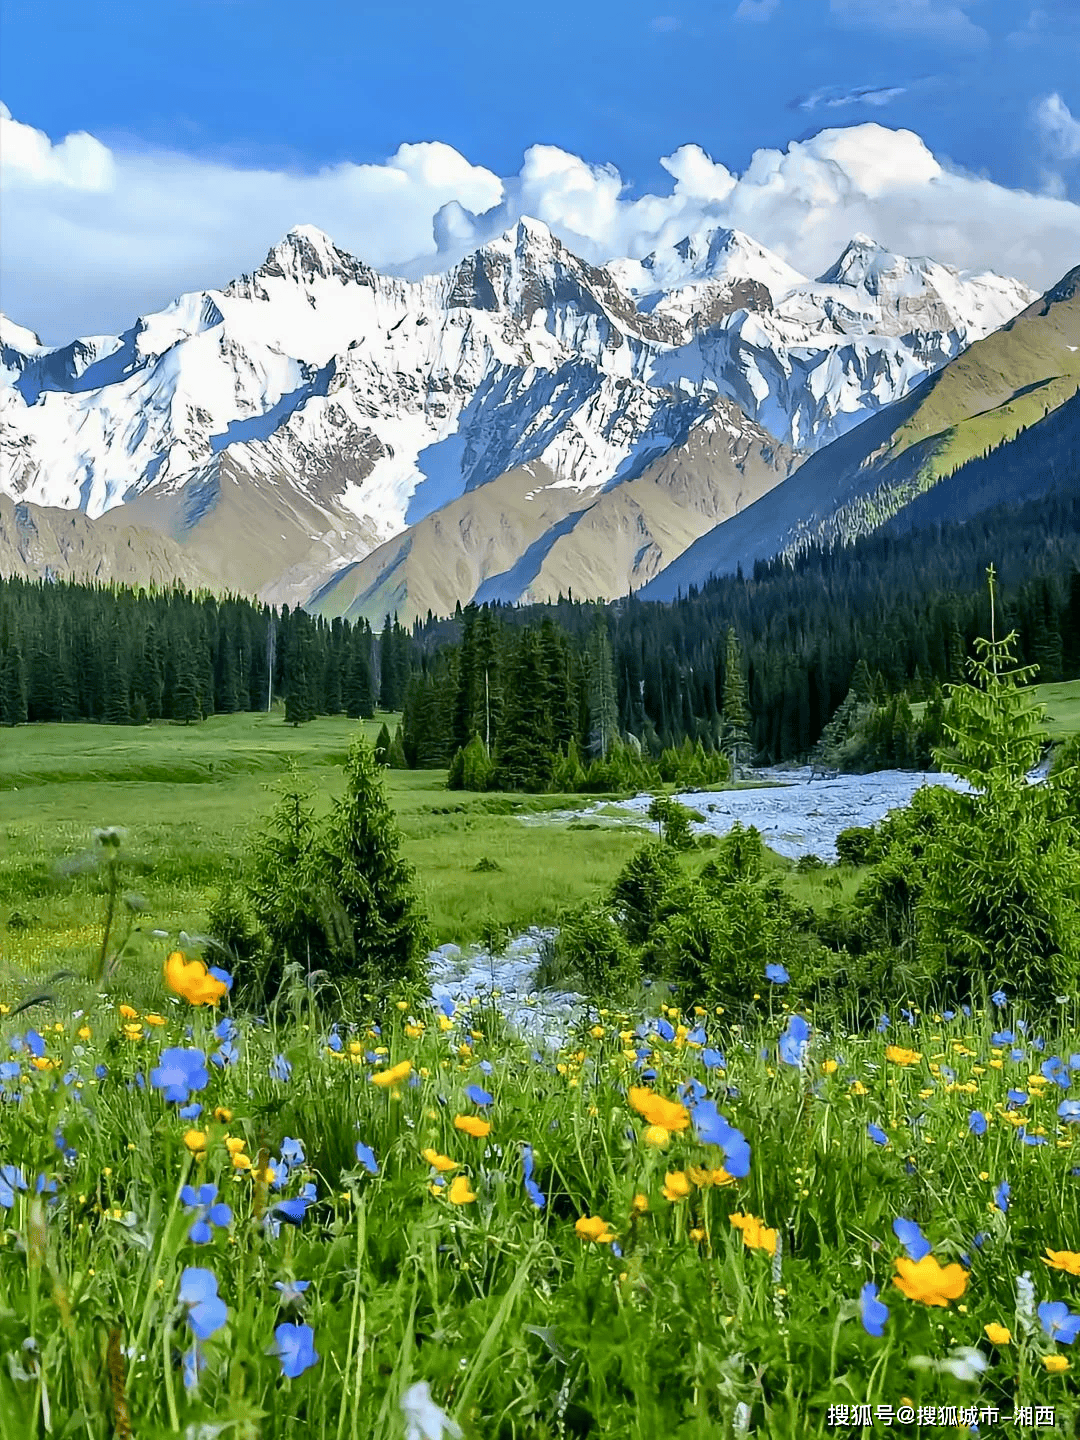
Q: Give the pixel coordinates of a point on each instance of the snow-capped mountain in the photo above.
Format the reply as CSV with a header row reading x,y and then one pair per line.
x,y
291,423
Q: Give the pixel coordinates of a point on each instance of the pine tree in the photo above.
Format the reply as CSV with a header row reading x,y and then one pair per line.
x,y
13,708
298,704
380,935
382,746
603,697
185,704
525,757
735,731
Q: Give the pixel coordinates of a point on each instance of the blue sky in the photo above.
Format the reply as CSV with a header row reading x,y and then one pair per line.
x,y
215,87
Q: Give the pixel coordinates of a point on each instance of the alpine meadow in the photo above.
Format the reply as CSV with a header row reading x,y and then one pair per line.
x,y
540,722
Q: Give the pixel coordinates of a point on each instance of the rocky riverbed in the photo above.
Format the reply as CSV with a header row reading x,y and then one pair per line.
x,y
796,814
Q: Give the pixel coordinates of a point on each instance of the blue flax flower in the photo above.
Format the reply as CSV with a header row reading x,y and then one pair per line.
x,y
280,1068
911,1237
1058,1321
1017,1098
206,1311
777,974
11,1179
977,1122
713,1059
697,1036
292,1151
194,1362
1001,1196
532,1189
999,998
208,1211
1069,1112
712,1129
478,1096
665,1029
794,1040
294,1345
872,1312
1002,1037
366,1156
291,1291
882,1024
877,1134
1056,1070
179,1073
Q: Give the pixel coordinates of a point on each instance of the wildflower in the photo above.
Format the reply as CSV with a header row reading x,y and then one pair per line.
x,y
472,1125
911,1237
712,1059
1058,1321
877,1134
194,1363
872,1312
201,1204
977,1122
830,1067
777,974
442,1163
998,1334
460,1192
676,1185
150,1020
1017,1098
703,1178
1066,1260
592,1227
1056,1364
712,1129
639,1204
656,1136
193,981
294,1345
756,1234
478,1096
1069,1112
929,1282
1001,1196
280,1068
292,1292
195,1140
394,1075
533,1190
179,1073
206,1311
423,1418
234,1144
128,1012
11,1179
794,1040
999,998
667,1114
366,1156
898,1055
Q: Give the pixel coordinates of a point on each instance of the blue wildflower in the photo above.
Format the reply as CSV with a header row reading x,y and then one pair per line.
x,y
478,1096
794,1040
877,1134
292,1151
190,1112
665,1029
911,1237
872,1312
977,1122
999,998
11,1179
713,1059
280,1068
294,1345
1058,1321
227,1055
1001,1196
777,974
712,1129
194,1363
1069,1112
1017,1098
697,1036
206,1311
179,1073
882,1024
222,975
366,1156
532,1189
1002,1037
201,1204
292,1292
1056,1070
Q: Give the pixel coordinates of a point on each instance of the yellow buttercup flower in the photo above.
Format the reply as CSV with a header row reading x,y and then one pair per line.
x,y
998,1334
394,1076
676,1186
929,1282
899,1056
195,1140
193,981
129,1012
1066,1260
703,1178
155,1019
657,1136
1056,1364
414,1031
639,1204
668,1114
472,1125
756,1234
592,1227
442,1163
460,1193
234,1144
830,1066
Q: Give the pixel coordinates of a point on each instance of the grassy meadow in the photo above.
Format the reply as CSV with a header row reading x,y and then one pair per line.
x,y
674,1228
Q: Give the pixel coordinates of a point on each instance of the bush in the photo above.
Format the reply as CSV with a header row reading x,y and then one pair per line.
x,y
740,855
256,969
674,822
592,949
858,845
648,888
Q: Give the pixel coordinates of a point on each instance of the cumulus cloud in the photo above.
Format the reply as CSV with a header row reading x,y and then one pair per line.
x,y
944,21
1060,128
94,237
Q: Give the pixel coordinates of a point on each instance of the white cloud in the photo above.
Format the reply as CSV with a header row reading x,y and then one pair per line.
x,y
92,237
834,98
1060,128
758,10
938,20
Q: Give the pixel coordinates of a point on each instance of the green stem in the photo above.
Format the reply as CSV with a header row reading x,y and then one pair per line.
x,y
151,1289
170,1391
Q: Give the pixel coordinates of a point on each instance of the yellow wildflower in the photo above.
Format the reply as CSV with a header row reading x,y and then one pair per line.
x,y
442,1163
472,1125
928,1281
1056,1364
900,1056
394,1075
460,1193
1066,1260
676,1185
755,1233
998,1334
592,1227
193,981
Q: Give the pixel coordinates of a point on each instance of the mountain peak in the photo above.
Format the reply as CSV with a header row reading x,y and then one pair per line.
x,y
306,253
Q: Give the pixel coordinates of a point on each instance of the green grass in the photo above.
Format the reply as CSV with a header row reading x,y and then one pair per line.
x,y
522,1327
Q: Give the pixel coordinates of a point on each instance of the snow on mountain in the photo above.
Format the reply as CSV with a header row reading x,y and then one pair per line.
x,y
375,401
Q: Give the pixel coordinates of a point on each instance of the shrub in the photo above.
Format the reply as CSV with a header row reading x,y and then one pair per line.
x,y
592,949
740,855
858,845
648,888
674,822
